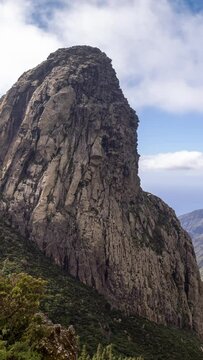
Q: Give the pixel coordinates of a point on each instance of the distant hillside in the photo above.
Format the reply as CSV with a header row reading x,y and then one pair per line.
x,y
193,224
70,302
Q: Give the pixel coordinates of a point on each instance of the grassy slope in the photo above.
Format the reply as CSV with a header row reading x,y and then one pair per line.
x,y
70,302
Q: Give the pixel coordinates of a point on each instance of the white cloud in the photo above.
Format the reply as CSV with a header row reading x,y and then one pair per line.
x,y
180,160
23,45
174,177
156,50
182,190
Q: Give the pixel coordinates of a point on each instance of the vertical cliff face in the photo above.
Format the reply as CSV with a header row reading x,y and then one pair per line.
x,y
68,181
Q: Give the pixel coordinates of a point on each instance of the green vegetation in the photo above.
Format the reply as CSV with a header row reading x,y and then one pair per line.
x,y
69,302
26,333
104,353
20,296
19,351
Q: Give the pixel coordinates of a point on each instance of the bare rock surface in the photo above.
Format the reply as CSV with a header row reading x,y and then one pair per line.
x,y
68,181
53,341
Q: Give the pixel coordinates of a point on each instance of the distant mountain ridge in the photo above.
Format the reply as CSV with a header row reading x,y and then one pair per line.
x,y
193,224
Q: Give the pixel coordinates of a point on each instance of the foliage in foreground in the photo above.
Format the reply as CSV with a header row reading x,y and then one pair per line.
x,y
104,353
20,296
70,302
26,333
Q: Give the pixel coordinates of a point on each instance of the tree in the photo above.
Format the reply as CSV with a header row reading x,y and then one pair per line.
x,y
20,296
25,332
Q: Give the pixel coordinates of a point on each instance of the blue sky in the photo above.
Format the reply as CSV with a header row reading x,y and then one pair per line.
x,y
156,50
194,5
161,131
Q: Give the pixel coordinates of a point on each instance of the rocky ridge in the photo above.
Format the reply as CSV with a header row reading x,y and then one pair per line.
x,y
69,182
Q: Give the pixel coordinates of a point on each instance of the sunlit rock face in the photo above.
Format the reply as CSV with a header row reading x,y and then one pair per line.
x,y
68,181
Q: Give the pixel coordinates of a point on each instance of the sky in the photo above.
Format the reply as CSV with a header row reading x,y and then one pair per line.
x,y
156,50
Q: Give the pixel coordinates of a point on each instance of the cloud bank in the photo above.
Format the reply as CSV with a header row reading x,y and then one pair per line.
x,y
156,49
180,160
182,190
174,177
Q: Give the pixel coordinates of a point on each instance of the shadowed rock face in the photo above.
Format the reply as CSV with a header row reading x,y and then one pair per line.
x,y
68,180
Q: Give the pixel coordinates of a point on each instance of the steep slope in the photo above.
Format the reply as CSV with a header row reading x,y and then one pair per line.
x,y
193,224
70,302
69,182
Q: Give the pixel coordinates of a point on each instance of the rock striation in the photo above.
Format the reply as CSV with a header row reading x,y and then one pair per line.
x,y
69,181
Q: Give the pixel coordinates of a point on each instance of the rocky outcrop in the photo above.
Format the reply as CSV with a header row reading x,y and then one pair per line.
x,y
52,341
69,163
